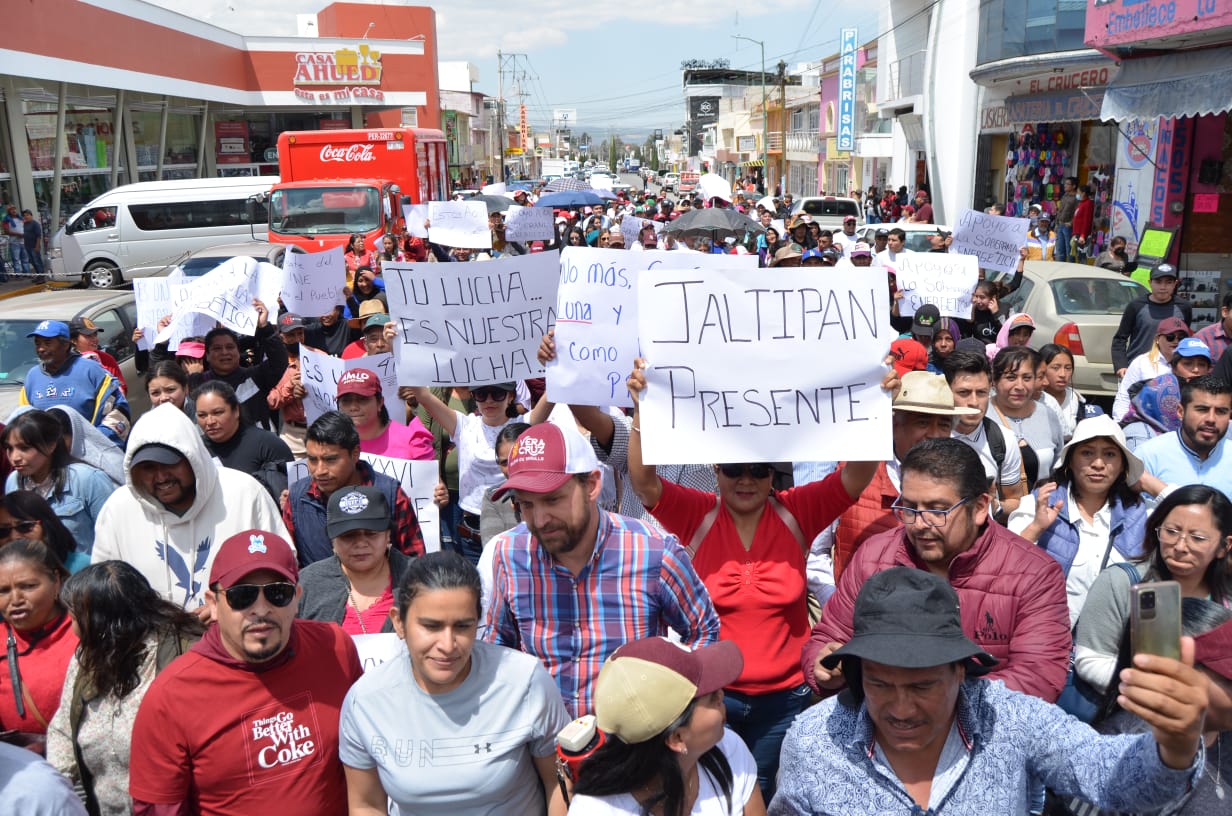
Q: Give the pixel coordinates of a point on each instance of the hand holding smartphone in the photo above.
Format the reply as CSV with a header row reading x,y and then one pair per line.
x,y
1155,619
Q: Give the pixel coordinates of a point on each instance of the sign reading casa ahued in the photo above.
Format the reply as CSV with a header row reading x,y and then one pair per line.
x,y
348,73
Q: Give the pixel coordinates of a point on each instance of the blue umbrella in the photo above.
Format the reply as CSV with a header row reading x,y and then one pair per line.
x,y
569,198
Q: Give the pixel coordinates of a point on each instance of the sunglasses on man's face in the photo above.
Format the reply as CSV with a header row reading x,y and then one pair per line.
x,y
242,596
22,528
488,394
736,471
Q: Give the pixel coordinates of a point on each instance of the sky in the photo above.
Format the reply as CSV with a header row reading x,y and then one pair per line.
x,y
616,63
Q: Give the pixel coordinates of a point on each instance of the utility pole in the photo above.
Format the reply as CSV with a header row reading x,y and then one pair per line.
x,y
765,114
783,126
500,116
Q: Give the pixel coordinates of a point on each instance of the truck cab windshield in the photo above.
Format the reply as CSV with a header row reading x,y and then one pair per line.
x,y
325,210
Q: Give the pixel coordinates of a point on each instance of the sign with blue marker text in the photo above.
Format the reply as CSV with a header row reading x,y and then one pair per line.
x,y
994,239
596,325
749,368
529,223
459,224
943,279
313,282
849,43
471,323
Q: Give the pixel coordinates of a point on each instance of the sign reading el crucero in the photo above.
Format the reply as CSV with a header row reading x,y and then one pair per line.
x,y
348,73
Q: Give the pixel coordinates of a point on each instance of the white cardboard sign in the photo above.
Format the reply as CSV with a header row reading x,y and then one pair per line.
x,y
994,239
471,323
320,372
745,369
631,228
529,223
459,224
418,480
313,283
226,292
378,648
596,324
416,215
944,279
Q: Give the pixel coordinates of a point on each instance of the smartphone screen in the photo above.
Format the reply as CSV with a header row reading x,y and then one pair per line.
x,y
1155,619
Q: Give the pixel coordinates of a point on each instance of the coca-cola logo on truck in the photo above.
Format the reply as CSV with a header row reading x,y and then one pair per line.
x,y
350,153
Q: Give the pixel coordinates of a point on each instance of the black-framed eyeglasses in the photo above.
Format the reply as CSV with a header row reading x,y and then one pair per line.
x,y
1175,337
489,394
756,471
22,528
242,596
933,518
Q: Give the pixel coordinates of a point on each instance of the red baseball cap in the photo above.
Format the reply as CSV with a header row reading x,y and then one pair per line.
x,y
1169,325
545,457
909,355
245,553
359,381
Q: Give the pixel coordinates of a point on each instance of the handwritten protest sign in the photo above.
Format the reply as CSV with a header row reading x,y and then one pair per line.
x,y
945,280
728,380
499,188
415,215
994,239
155,299
319,373
596,331
459,224
313,282
418,480
631,227
529,224
471,323
225,293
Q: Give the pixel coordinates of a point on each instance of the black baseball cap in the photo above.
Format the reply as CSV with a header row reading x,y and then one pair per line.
x,y
925,321
356,508
156,452
83,325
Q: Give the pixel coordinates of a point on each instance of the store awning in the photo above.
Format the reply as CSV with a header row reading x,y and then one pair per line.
x,y
754,163
1184,83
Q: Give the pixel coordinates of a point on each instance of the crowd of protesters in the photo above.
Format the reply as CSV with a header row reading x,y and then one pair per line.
x,y
188,627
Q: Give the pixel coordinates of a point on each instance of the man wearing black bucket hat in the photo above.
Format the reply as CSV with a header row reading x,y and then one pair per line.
x,y
918,731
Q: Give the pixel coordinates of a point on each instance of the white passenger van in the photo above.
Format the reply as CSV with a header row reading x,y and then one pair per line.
x,y
136,230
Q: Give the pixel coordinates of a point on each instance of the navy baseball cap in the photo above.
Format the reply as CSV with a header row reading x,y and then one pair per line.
x,y
50,328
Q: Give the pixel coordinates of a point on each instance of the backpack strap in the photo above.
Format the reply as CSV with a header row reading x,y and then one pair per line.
x,y
707,522
996,446
1130,570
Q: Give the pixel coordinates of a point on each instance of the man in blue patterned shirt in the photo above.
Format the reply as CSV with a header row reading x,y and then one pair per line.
x,y
918,733
572,582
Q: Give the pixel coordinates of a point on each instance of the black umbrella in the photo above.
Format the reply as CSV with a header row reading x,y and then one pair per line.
x,y
494,203
714,221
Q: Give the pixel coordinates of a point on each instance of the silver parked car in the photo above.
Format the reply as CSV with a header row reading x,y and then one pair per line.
x,y
115,314
1078,307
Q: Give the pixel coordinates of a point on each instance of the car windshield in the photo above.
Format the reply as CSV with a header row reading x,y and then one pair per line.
x,y
325,210
16,351
836,206
1095,296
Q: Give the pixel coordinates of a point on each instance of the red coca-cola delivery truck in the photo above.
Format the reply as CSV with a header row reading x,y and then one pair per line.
x,y
339,183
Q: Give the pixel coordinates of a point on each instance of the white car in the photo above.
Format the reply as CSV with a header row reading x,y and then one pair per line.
x,y
829,211
917,234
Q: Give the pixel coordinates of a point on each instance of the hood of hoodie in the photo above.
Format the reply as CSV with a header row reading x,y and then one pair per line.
x,y
168,425
92,446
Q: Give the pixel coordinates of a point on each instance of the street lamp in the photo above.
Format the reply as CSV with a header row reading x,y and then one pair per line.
x,y
765,114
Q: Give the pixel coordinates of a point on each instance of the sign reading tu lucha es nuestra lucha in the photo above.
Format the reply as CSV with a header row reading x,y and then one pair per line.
x,y
347,73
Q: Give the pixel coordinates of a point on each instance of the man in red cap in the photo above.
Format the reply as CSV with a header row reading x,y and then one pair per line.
x,y
247,720
575,582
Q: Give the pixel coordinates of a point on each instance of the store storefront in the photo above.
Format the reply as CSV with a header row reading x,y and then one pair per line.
x,y
154,95
1171,102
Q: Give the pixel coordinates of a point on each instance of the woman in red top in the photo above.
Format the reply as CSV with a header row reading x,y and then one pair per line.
x,y
749,548
357,255
38,637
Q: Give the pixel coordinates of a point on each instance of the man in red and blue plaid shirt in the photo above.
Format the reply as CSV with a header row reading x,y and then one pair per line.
x,y
574,582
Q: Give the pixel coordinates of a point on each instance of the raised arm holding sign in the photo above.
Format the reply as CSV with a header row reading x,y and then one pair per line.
x,y
745,371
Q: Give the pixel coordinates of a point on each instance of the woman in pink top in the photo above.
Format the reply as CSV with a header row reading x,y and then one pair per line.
x,y
360,398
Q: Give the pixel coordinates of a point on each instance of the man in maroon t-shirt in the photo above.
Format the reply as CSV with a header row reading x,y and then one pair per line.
x,y
247,720
923,208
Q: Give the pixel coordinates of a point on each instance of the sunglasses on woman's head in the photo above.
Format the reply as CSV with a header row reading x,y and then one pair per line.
x,y
488,394
736,471
242,596
22,528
